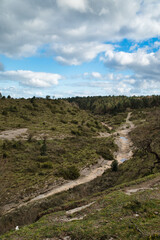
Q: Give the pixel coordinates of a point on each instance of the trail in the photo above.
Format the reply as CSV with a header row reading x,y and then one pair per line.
x,y
123,141
88,174
13,134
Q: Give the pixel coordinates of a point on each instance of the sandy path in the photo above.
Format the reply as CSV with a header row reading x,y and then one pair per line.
x,y
88,174
123,141
12,134
152,184
78,209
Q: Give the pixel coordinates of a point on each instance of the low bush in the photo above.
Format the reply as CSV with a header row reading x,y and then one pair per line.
x,y
42,159
47,165
69,173
105,153
114,166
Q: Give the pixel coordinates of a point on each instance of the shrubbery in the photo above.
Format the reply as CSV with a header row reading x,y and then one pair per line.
x,y
114,166
69,173
105,153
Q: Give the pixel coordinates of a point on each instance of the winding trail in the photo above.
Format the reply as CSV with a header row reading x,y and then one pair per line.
x,y
123,141
88,174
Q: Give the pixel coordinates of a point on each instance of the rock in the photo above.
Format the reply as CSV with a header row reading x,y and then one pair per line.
x,y
67,238
136,215
16,228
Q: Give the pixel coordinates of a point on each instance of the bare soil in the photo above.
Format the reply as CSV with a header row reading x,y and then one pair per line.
x,y
152,184
125,145
13,134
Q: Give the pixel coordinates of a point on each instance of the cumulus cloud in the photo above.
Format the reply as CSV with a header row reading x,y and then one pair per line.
x,y
126,85
96,75
31,79
27,26
77,54
1,67
121,84
145,65
93,75
76,31
79,5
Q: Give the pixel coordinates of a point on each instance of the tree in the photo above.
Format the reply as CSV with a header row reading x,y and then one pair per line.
x,y
0,95
43,148
48,97
114,166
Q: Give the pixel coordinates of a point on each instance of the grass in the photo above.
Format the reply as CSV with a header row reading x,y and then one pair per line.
x,y
50,117
25,171
62,137
113,215
28,166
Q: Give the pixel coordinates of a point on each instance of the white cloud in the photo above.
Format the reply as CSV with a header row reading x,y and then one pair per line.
x,y
27,26
78,53
96,75
79,5
77,31
157,44
31,79
1,67
126,85
144,71
144,64
92,75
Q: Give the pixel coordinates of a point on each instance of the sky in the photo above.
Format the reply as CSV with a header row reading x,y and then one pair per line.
x,y
68,48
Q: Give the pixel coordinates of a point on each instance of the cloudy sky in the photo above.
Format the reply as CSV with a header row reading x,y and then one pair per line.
x,y
67,48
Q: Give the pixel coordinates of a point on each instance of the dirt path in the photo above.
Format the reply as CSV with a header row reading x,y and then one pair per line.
x,y
152,184
12,134
88,174
123,141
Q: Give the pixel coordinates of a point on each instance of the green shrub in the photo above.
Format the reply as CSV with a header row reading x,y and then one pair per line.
x,y
53,128
74,121
5,113
18,144
69,173
31,169
47,165
5,155
43,149
13,109
63,121
42,159
105,153
30,137
93,129
76,132
134,205
114,166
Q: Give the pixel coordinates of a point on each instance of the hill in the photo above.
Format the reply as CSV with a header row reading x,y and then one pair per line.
x,y
62,142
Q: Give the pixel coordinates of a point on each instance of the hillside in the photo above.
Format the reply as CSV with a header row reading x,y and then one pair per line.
x,y
59,142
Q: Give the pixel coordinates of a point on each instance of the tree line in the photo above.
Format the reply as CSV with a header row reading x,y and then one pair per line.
x,y
115,104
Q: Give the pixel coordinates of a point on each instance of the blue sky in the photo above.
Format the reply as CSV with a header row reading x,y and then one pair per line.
x,y
66,48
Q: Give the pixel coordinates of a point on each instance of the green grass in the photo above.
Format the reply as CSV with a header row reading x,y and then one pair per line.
x,y
25,171
113,215
68,130
32,166
55,118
